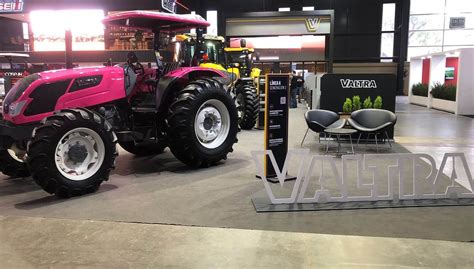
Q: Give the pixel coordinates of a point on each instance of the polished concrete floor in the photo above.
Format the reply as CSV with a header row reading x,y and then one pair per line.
x,y
58,243
161,191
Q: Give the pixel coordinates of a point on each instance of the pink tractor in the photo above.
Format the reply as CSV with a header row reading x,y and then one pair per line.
x,y
62,126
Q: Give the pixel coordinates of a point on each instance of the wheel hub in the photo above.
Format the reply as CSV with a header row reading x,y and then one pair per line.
x,y
212,124
209,124
77,153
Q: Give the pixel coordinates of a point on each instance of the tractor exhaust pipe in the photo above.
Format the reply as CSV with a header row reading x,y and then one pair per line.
x,y
68,52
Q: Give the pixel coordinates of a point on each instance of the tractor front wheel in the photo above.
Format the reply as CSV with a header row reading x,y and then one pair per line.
x,y
72,153
202,123
11,165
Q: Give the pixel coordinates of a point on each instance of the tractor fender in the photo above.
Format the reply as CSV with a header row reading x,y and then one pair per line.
x,y
176,80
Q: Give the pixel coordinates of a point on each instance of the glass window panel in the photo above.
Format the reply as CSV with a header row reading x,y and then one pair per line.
x,y
459,6
413,52
458,37
448,48
469,19
386,49
388,17
427,22
426,6
425,38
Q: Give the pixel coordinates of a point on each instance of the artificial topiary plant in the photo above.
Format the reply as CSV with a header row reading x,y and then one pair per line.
x,y
367,103
378,102
347,107
356,105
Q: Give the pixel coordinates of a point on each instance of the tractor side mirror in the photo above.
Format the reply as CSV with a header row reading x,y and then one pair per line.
x,y
243,43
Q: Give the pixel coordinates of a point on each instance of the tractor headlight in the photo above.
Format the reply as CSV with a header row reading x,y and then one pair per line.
x,y
16,108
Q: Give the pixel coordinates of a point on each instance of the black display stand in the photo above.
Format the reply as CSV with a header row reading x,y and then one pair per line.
x,y
277,98
261,104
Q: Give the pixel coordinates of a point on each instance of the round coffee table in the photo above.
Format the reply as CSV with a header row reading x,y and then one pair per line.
x,y
338,132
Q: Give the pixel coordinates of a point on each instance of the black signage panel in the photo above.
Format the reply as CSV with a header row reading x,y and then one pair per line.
x,y
277,93
457,22
335,88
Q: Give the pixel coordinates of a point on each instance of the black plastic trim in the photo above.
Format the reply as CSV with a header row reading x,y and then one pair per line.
x,y
46,96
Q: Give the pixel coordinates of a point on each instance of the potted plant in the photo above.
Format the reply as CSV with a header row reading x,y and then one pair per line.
x,y
367,103
378,102
346,109
419,94
356,105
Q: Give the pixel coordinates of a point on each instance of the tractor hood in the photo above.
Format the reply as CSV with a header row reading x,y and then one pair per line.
x,y
155,21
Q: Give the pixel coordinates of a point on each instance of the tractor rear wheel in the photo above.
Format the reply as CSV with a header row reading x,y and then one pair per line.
x,y
72,153
247,105
144,149
11,165
202,123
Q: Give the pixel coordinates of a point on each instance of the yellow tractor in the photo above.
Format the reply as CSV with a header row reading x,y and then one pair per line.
x,y
210,51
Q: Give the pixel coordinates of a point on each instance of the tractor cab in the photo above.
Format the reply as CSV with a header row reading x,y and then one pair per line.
x,y
142,82
169,56
205,50
240,58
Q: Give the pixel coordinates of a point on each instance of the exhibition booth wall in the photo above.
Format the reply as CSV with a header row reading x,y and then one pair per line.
x,y
443,81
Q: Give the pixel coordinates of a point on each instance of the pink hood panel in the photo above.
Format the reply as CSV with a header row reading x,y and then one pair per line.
x,y
110,88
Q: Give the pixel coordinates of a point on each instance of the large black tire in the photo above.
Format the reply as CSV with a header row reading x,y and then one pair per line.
x,y
12,167
42,152
145,149
247,105
183,140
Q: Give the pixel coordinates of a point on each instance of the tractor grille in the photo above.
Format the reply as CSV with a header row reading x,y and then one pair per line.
x,y
169,67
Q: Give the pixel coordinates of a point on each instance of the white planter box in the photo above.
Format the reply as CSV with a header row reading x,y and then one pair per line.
x,y
444,105
419,100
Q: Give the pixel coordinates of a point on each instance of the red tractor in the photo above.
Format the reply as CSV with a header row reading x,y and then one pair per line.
x,y
62,126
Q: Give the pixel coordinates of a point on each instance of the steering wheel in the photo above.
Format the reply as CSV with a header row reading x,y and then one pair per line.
x,y
132,61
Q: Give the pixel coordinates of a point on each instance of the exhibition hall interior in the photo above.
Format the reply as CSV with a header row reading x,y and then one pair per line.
x,y
236,134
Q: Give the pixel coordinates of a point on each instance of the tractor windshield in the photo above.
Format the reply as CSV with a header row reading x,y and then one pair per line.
x,y
214,49
239,57
212,52
242,59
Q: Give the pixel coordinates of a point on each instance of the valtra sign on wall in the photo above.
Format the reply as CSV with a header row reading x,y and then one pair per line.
x,y
11,6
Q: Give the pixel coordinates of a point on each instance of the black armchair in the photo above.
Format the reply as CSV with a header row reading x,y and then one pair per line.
x,y
372,122
319,120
